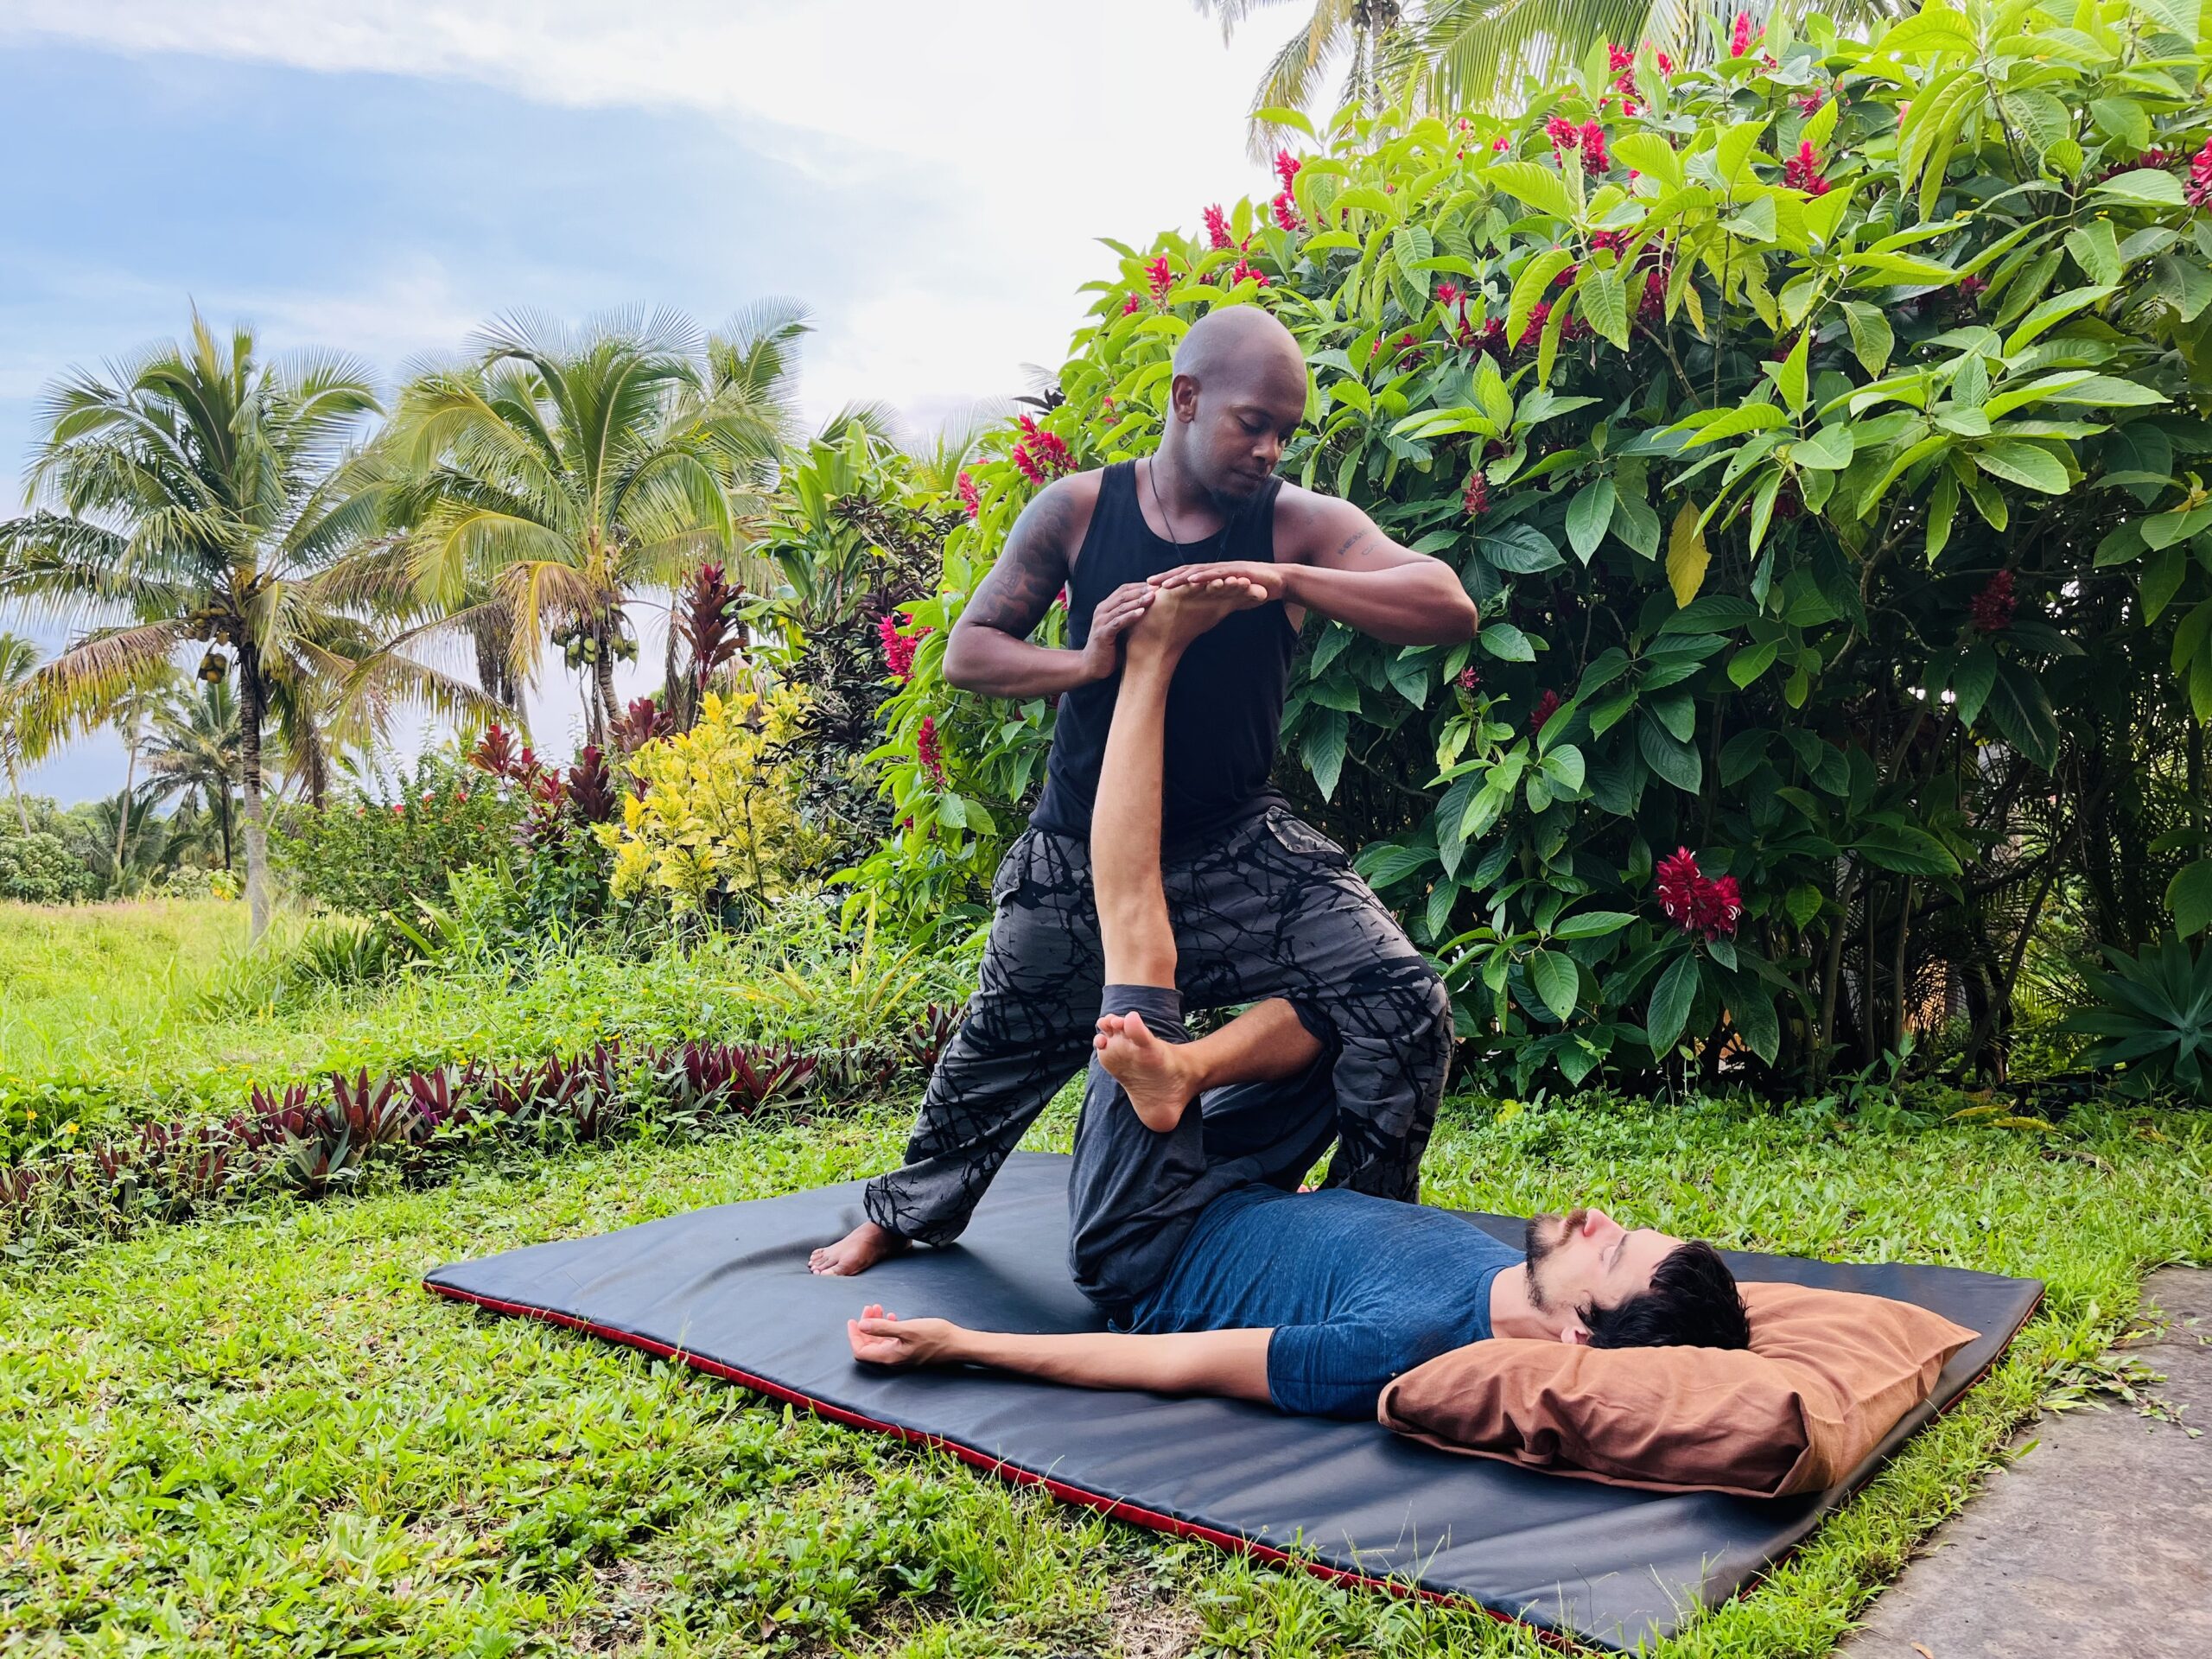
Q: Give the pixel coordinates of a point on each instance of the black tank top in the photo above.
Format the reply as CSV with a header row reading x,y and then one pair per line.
x,y
1224,705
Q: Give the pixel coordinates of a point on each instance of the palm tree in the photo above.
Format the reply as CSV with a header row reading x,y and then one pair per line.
x,y
128,711
1447,55
18,661
196,496
195,753
566,472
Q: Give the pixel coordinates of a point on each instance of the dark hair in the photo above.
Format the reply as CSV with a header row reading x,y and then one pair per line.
x,y
1693,1303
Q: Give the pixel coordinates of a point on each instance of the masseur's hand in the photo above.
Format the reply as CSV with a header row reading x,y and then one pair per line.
x,y
882,1339
1117,613
1271,581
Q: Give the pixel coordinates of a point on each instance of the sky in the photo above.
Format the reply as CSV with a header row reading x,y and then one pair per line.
x,y
383,176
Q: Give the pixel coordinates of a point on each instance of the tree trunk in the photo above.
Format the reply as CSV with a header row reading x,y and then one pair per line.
x,y
123,817
15,788
603,674
256,828
224,797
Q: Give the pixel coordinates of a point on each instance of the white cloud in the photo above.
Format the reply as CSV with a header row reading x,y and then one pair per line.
x,y
1043,127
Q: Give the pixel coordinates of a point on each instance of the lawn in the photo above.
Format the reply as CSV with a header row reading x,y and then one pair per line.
x,y
259,1433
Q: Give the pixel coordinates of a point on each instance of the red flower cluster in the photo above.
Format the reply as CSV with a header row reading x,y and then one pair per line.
x,y
1469,679
1159,279
1287,166
970,497
1803,171
1621,64
2199,188
898,648
1475,498
1041,455
1287,215
1992,608
1134,303
1696,903
1547,706
1594,158
1808,103
1653,305
1563,133
1972,287
1539,315
1503,140
930,750
1245,270
1217,227
1740,37
1601,241
1449,294
1666,64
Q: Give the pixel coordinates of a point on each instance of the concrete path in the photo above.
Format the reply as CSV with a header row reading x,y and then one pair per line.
x,y
2097,1544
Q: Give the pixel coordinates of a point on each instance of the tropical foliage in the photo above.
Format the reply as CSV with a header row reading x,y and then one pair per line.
x,y
194,497
1819,442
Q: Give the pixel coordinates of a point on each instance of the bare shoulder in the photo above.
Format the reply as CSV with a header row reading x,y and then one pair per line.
x,y
1056,521
1038,555
1315,528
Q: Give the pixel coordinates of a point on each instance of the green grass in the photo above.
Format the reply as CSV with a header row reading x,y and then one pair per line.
x,y
259,1434
114,1014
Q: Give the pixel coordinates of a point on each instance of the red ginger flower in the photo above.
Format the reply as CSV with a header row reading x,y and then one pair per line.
x,y
1041,455
898,648
1503,140
1133,303
1808,103
1717,908
930,751
1992,608
1244,271
1287,215
1158,279
1739,38
1475,497
970,497
1666,64
1287,166
1653,305
2199,188
1562,132
1217,227
1618,58
1803,171
1449,294
1539,315
1469,679
1547,706
1593,148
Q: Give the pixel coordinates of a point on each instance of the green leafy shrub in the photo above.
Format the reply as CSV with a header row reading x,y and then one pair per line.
x,y
386,847
1816,432
2151,1017
39,868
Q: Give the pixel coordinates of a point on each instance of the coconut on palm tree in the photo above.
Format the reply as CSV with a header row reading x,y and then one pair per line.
x,y
197,497
566,472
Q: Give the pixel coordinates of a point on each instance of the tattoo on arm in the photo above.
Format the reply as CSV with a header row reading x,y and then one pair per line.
x,y
1356,543
1031,568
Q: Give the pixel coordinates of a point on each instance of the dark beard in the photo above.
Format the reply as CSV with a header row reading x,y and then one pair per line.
x,y
1539,1244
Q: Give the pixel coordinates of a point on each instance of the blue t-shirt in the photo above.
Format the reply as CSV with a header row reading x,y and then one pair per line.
x,y
1357,1289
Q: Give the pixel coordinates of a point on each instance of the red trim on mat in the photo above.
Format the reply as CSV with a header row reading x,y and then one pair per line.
x,y
1117,1508
1114,1508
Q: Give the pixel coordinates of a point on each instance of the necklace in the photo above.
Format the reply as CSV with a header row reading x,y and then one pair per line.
x,y
1152,477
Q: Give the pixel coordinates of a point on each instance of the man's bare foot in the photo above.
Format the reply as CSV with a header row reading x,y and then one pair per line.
x,y
1156,1075
857,1251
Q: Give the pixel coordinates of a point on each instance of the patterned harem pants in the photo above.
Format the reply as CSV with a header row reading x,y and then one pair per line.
x,y
1272,908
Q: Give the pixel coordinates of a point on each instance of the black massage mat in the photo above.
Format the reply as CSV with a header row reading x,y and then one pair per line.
x,y
727,1290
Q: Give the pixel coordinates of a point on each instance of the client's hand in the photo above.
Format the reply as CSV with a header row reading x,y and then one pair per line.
x,y
882,1339
1181,614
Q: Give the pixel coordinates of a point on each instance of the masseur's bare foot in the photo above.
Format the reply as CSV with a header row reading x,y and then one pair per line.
x,y
1157,1076
857,1251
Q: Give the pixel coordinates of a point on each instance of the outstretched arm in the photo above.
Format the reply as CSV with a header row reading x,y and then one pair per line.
x,y
1333,560
989,651
1233,1363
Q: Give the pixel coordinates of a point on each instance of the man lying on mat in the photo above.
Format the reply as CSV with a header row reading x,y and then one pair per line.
x,y
1216,1275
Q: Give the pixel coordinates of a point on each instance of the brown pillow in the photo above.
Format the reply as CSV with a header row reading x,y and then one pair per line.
x,y
1828,1373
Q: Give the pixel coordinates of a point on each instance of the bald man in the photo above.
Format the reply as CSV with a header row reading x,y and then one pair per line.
x,y
1266,910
